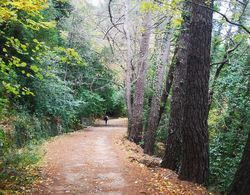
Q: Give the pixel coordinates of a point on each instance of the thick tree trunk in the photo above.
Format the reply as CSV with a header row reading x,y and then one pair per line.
x,y
173,149
194,162
128,73
241,182
149,138
137,110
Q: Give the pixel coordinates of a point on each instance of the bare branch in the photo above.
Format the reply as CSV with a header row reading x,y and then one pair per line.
x,y
111,17
225,60
110,28
242,3
224,16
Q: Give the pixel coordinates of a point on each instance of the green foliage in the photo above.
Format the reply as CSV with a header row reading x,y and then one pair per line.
x,y
3,103
169,8
10,9
117,107
161,133
91,104
49,85
55,99
18,50
24,130
229,117
18,169
225,154
4,143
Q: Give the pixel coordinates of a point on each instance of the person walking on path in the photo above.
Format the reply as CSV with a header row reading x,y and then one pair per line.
x,y
106,118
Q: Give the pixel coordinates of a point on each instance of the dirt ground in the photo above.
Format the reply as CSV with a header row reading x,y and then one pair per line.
x,y
99,160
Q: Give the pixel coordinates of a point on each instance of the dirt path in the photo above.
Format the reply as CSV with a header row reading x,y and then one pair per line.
x,y
98,160
90,162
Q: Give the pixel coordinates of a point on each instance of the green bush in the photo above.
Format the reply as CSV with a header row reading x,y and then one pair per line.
x,y
161,133
118,107
31,129
92,105
3,103
5,143
225,154
17,168
55,99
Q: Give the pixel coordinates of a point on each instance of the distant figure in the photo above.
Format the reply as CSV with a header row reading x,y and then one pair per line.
x,y
106,118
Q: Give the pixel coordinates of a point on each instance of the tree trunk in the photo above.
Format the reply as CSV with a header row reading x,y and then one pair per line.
x,y
149,138
241,182
128,73
194,162
168,85
173,149
137,120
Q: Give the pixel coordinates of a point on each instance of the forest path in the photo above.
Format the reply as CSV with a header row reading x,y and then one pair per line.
x,y
90,162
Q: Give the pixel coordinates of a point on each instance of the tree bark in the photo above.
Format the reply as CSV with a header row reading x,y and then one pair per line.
x,y
167,88
172,154
241,182
194,162
137,110
149,138
128,73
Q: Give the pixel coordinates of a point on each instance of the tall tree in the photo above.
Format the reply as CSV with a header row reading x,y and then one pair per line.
x,y
128,72
137,110
172,153
194,162
167,87
149,138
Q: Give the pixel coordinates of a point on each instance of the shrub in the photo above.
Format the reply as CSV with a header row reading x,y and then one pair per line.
x,y
225,154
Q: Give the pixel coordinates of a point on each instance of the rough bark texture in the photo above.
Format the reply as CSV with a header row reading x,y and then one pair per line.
x,y
241,183
194,162
149,138
137,110
128,73
173,149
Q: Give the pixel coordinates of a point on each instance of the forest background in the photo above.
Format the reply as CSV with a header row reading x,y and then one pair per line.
x,y
64,63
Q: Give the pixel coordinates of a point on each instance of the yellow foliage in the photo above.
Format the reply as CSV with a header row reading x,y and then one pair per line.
x,y
167,7
148,6
9,12
9,8
6,14
177,21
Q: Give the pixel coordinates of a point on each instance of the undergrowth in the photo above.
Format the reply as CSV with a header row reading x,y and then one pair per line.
x,y
19,169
